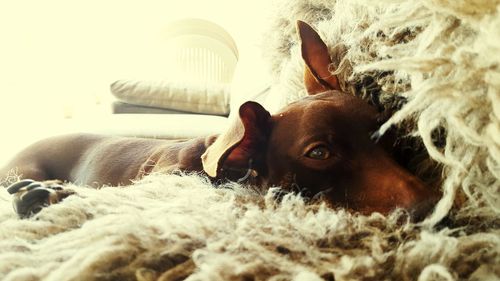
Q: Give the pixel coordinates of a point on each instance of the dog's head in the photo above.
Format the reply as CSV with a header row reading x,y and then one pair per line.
x,y
319,145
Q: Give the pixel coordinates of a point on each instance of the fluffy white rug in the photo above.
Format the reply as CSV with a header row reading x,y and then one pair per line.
x,y
441,56
169,227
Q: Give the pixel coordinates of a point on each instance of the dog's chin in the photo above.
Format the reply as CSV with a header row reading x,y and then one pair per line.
x,y
399,214
414,214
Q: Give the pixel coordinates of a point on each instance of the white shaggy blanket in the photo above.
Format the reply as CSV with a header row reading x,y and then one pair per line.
x,y
442,56
170,227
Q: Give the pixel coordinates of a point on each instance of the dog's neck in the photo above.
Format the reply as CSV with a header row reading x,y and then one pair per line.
x,y
189,155
181,156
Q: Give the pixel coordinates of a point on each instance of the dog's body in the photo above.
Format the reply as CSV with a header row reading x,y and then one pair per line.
x,y
318,145
97,160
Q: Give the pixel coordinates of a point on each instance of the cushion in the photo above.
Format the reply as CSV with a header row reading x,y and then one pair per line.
x,y
119,107
196,98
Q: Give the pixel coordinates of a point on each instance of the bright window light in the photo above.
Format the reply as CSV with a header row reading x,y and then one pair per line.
x,y
59,57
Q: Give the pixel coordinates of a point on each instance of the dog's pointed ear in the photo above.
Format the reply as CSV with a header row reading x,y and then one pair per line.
x,y
317,77
244,140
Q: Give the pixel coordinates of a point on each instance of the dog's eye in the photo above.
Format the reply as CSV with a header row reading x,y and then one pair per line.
x,y
319,152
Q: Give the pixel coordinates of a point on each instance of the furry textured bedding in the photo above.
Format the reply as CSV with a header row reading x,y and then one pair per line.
x,y
436,62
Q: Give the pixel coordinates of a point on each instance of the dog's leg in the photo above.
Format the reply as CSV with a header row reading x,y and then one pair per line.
x,y
31,196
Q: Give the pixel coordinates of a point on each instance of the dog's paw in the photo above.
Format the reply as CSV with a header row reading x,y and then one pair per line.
x,y
31,196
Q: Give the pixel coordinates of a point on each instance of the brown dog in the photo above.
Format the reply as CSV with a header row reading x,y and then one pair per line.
x,y
318,145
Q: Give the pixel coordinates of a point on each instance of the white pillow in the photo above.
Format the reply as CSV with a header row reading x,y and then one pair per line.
x,y
206,98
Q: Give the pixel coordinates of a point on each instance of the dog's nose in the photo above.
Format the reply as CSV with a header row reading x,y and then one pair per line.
x,y
416,197
385,186
420,210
